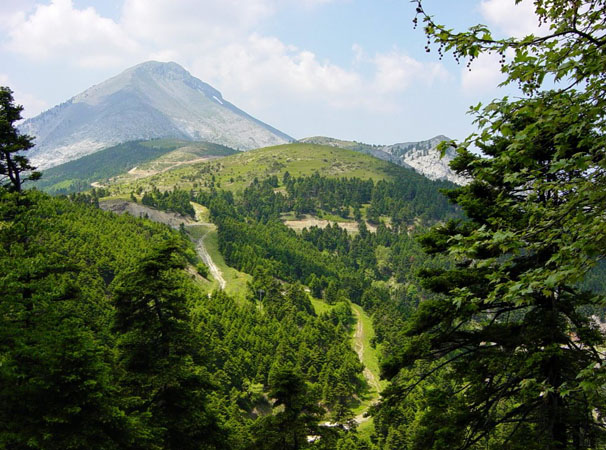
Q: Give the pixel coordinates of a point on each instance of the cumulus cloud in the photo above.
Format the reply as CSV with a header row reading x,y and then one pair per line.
x,y
209,22
261,69
158,29
216,39
264,67
514,20
12,12
60,29
396,72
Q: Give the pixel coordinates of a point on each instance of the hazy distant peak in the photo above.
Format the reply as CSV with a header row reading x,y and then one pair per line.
x,y
440,137
160,68
173,71
138,76
147,101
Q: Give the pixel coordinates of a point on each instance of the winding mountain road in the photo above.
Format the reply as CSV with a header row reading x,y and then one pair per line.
x,y
359,347
214,270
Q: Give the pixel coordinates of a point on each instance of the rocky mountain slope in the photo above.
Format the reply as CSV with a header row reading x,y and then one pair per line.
x,y
150,100
422,156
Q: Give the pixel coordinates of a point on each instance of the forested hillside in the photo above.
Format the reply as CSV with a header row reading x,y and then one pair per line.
x,y
108,318
95,298
77,175
150,349
284,282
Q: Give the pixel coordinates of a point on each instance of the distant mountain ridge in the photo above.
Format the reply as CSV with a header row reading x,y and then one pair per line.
x,y
148,101
422,156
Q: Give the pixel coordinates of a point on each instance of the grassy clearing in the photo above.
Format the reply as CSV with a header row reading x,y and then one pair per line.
x,y
363,334
236,282
334,218
291,215
370,357
202,212
320,306
310,221
237,171
298,160
125,197
366,429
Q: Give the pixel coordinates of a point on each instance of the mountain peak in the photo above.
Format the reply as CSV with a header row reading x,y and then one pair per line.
x,y
159,67
164,70
150,100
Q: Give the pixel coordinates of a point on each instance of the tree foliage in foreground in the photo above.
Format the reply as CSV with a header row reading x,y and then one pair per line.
x,y
160,355
68,379
521,364
13,164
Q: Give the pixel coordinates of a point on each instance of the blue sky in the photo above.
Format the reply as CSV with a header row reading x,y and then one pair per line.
x,y
351,69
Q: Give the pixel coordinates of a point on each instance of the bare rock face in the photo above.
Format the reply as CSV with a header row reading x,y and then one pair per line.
x,y
422,156
425,158
148,101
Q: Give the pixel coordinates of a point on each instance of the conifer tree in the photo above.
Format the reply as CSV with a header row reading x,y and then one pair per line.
x,y
296,417
160,354
56,383
13,164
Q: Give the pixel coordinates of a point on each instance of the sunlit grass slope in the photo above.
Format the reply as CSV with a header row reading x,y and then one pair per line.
x,y
105,164
237,171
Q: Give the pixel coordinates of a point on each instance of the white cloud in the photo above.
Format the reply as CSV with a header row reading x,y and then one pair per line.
x,y
263,68
396,72
12,11
166,22
82,36
14,6
514,20
217,40
484,76
257,71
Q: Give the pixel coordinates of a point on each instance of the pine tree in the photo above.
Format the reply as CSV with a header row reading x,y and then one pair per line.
x,y
160,354
55,372
13,164
296,417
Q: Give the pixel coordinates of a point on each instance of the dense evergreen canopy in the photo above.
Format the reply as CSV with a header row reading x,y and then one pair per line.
x,y
490,338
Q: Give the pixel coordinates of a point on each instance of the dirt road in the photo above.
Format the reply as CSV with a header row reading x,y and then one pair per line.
x,y
214,270
371,378
359,348
171,219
